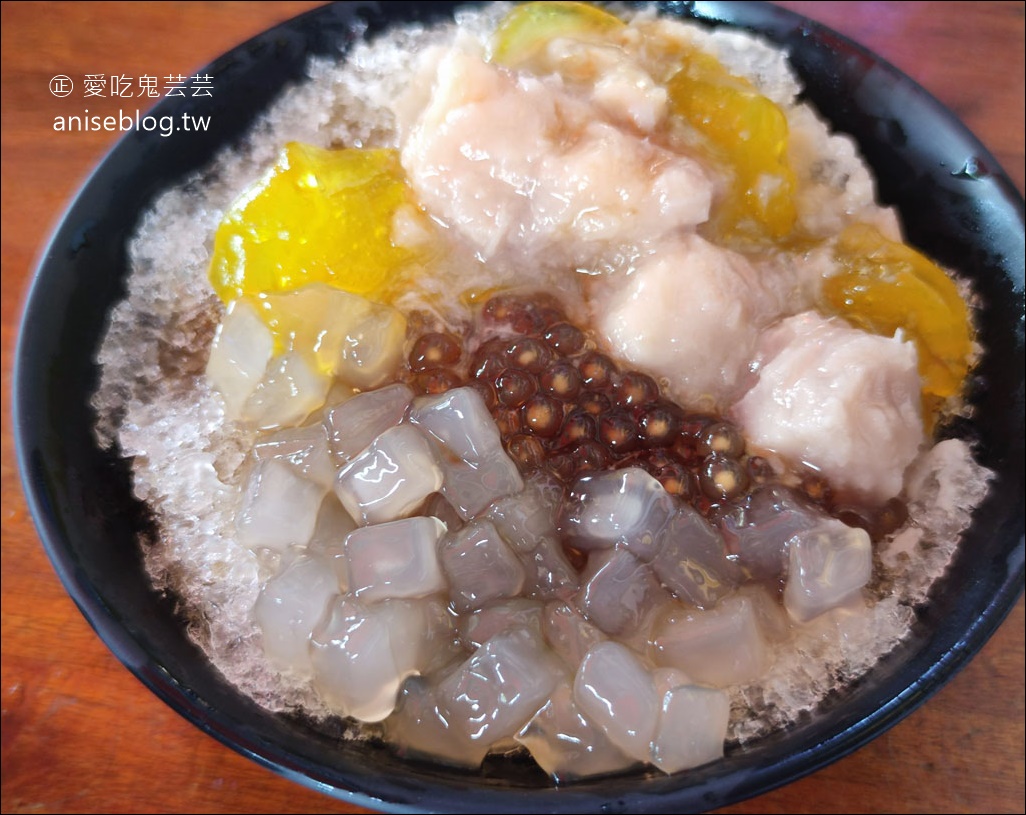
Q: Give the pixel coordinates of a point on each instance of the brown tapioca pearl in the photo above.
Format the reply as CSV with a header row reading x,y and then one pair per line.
x,y
676,480
594,403
590,456
722,478
549,314
436,381
760,471
723,438
487,391
618,431
507,420
816,487
511,310
489,360
693,424
528,354
527,451
561,379
565,338
878,522
686,449
562,466
435,350
543,415
514,387
579,425
598,371
659,424
635,389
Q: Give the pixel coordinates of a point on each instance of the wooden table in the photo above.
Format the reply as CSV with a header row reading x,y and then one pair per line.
x,y
80,734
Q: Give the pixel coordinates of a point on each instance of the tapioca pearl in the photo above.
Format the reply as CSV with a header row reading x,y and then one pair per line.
x,y
722,438
598,371
878,522
435,350
508,421
722,478
489,360
659,424
590,456
527,451
760,471
578,425
594,403
528,354
618,431
514,387
635,389
543,415
433,382
486,390
676,480
565,338
561,379
513,311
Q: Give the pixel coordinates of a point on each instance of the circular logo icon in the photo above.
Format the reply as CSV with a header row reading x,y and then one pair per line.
x,y
61,85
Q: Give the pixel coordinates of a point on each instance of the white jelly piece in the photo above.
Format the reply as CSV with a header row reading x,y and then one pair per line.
x,y
397,559
477,469
239,354
480,566
719,647
829,565
391,478
361,653
289,607
625,505
305,448
566,744
692,728
570,635
279,507
691,560
618,590
615,691
494,694
480,626
353,425
290,391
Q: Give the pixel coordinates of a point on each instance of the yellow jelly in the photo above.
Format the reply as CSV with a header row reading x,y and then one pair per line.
x,y
884,285
745,133
316,216
528,27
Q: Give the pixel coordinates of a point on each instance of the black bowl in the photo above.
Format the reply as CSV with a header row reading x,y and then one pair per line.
x,y
957,206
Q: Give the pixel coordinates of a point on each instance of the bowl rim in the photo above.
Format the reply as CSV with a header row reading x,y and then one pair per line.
x,y
136,657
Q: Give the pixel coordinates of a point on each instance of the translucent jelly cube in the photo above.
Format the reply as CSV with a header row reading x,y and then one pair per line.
x,y
477,469
617,591
570,635
691,560
289,392
720,647
289,607
305,448
391,478
566,744
692,728
495,693
353,425
480,626
480,566
625,505
362,652
615,690
397,559
829,565
279,507
239,354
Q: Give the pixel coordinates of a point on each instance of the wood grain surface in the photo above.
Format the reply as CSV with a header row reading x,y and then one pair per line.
x,y
80,734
